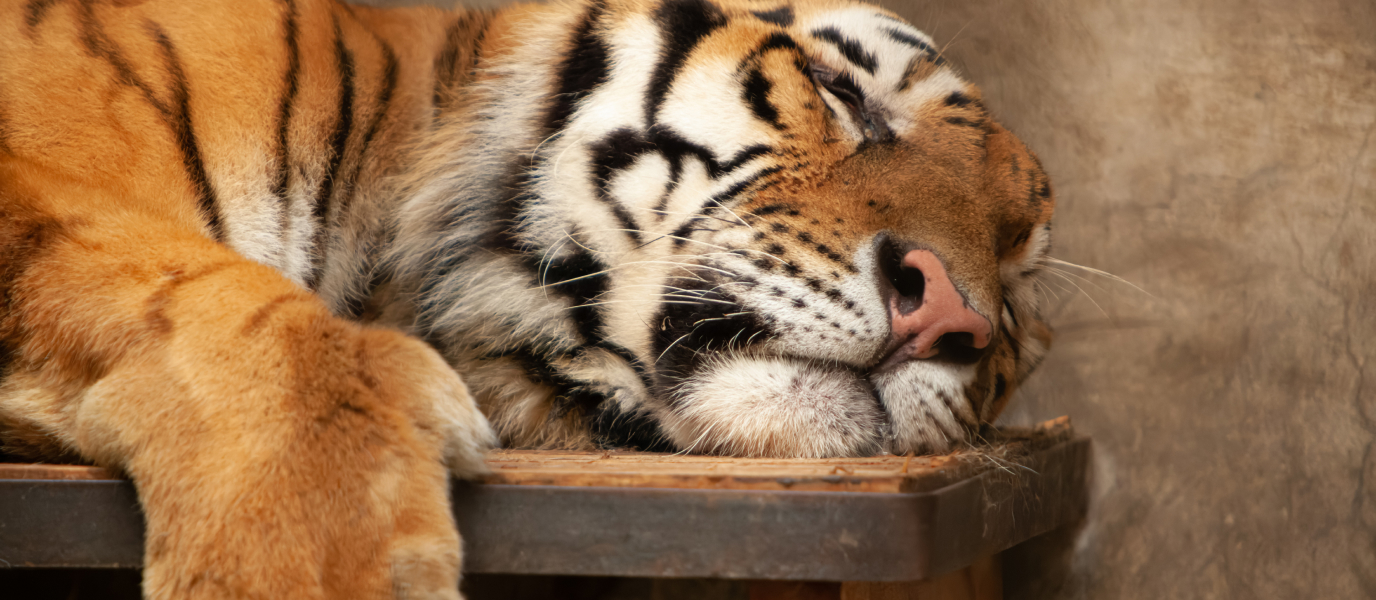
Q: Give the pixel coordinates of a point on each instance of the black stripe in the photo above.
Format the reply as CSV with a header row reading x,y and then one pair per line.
x,y
291,83
570,395
176,113
684,24
755,92
613,428
782,16
904,37
686,331
609,425
448,69
617,151
381,104
720,199
849,48
964,122
775,41
185,133
357,300
959,100
583,69
344,63
580,277
1013,343
34,13
636,364
446,62
675,148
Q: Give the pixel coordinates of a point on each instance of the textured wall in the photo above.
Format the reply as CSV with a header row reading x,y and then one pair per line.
x,y
1220,156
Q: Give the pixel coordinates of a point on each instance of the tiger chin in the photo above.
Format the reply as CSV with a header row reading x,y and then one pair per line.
x,y
288,264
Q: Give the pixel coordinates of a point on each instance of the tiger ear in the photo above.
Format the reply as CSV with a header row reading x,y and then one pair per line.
x,y
1016,186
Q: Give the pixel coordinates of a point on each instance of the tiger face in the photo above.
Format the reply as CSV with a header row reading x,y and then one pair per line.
x,y
758,229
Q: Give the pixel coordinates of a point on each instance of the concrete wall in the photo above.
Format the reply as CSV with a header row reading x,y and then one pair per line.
x,y
1219,155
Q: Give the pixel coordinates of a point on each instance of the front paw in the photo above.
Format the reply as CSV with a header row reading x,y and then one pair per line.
x,y
444,407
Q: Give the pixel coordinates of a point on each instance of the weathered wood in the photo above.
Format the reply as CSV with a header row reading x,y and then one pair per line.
x,y
650,470
872,474
54,472
634,515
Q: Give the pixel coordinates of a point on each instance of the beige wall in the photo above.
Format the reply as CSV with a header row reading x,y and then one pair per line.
x,y
1218,154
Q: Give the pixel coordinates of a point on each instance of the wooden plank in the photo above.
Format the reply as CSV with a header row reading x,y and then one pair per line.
x,y
886,473
643,532
54,472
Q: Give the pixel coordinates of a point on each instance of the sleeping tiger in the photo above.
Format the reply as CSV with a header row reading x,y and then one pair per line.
x,y
246,246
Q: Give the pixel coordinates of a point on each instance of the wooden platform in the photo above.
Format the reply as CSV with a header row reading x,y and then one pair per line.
x,y
887,518
890,474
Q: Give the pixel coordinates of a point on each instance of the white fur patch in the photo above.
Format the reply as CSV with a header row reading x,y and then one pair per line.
x,y
767,406
926,402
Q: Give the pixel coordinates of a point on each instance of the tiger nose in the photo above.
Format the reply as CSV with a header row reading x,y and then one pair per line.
x,y
926,307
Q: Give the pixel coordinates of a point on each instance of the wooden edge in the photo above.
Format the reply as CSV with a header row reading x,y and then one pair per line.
x,y
55,472
642,470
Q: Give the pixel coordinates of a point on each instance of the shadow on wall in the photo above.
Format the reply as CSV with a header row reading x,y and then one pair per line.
x,y
1220,156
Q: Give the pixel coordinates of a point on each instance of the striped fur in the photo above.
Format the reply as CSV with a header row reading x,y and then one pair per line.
x,y
664,225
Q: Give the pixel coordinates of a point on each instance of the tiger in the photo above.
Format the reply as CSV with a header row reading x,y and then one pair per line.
x,y
289,265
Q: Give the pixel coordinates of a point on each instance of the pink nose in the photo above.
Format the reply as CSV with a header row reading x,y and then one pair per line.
x,y
940,310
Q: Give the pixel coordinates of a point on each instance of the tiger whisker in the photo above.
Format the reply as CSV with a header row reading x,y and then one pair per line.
x,y
701,299
1094,271
1082,290
1064,273
691,216
622,266
670,346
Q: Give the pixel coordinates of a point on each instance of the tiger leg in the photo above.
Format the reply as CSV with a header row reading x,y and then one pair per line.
x,y
278,451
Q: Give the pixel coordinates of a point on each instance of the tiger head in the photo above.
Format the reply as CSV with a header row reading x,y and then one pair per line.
x,y
753,228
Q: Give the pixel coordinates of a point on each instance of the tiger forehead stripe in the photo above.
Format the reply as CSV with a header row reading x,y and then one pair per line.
x,y
685,23
583,69
849,47
782,16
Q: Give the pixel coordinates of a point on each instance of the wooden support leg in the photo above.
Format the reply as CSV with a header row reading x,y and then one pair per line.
x,y
979,581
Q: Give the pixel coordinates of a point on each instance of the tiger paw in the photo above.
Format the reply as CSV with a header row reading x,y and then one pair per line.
x,y
438,399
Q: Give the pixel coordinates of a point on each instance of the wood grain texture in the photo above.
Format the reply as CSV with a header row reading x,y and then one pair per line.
x,y
675,471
